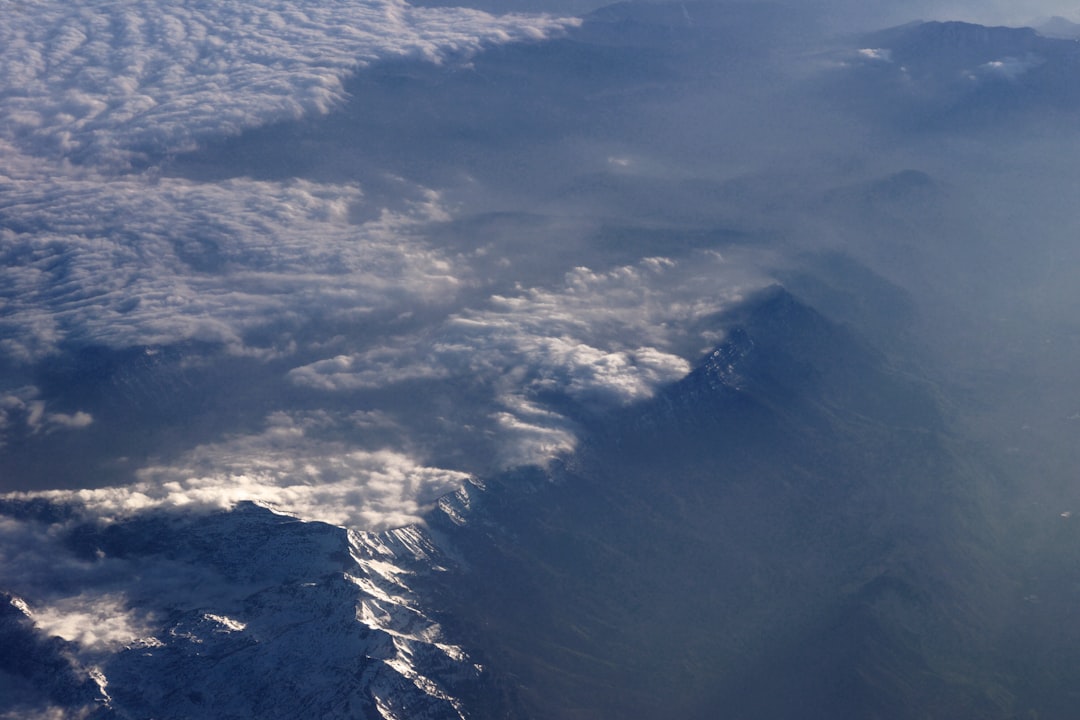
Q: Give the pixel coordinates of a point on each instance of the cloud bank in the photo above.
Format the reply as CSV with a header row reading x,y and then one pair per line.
x,y
600,339
122,263
286,468
99,249
107,83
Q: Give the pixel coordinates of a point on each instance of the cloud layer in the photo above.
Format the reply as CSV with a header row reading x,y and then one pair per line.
x,y
99,249
601,339
124,263
287,468
106,83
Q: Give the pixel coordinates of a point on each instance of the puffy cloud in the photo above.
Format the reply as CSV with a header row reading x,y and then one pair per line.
x,y
94,254
1011,67
72,421
288,469
610,333
97,622
106,82
123,263
531,435
600,338
122,260
371,369
22,409
882,54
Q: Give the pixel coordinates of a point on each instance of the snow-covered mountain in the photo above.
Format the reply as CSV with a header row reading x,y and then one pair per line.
x,y
235,614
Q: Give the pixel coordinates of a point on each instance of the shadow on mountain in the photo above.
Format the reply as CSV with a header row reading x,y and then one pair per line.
x,y
782,534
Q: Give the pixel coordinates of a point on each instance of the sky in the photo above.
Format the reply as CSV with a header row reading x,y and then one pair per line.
x,y
339,258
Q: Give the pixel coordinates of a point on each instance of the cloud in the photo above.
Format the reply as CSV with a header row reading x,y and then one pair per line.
x,y
22,410
882,54
606,333
371,369
108,83
98,623
122,263
97,250
286,468
93,255
531,435
1010,68
72,421
601,338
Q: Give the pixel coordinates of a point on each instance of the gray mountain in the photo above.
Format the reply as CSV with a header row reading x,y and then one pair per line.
x,y
781,534
958,76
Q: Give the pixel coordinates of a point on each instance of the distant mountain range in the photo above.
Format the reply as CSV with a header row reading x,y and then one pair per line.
x,y
959,76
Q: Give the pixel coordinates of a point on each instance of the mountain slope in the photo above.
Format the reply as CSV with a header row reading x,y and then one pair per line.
x,y
777,535
234,614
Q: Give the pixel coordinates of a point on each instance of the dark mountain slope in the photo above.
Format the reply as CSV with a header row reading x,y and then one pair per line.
x,y
779,535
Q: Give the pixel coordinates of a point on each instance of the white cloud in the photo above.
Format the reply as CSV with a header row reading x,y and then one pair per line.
x,y
286,469
606,338
123,263
106,82
531,434
1011,67
89,254
22,408
93,254
72,421
881,54
370,369
97,622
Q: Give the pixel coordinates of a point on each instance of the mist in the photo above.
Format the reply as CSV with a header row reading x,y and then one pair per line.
x,y
448,244
352,269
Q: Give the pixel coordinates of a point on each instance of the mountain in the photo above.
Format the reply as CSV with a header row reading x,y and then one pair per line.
x,y
34,667
1059,27
765,502
233,614
789,531
956,75
781,534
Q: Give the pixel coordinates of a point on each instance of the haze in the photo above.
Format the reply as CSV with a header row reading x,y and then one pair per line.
x,y
340,259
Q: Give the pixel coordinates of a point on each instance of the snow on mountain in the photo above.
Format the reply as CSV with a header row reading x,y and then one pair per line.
x,y
242,614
